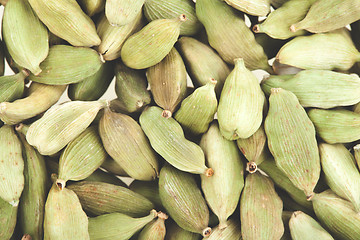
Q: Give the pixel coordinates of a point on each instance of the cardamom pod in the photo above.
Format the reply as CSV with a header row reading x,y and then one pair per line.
x,y
122,12
291,140
251,7
110,165
25,36
183,200
8,214
232,231
92,7
357,154
278,3
149,190
174,232
240,110
12,87
154,230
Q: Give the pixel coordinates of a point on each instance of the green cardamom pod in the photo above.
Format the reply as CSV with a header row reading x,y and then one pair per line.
x,y
62,124
222,190
39,99
232,231
110,165
149,190
167,81
25,36
174,232
66,20
122,12
260,209
183,200
167,139
12,87
251,7
154,230
126,143
100,198
240,110
152,43
8,214
212,14
291,140
67,64
197,110
92,7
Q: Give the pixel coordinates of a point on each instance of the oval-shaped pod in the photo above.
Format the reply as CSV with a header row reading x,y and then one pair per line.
x,y
154,230
12,87
8,219
122,12
252,7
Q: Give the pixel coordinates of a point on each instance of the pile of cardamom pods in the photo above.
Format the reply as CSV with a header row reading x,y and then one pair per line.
x,y
231,158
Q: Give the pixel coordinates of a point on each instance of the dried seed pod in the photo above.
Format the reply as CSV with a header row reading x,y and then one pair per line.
x,y
154,230
92,7
260,209
174,232
167,81
122,12
62,124
8,214
213,14
149,190
202,63
100,198
345,181
337,125
110,165
240,110
339,13
304,227
222,190
334,50
291,140
197,110
40,98
126,143
32,201
93,87
277,24
117,225
113,37
81,157
64,217
12,87
73,25
167,139
67,64
25,36
167,9
11,167
251,7
152,43
337,215
131,88
232,231
183,201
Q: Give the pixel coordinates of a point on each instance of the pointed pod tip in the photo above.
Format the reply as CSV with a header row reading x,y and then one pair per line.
x,y
139,104
276,90
252,167
166,114
206,232
25,72
356,147
256,28
60,183
154,213
102,59
222,225
310,196
18,127
209,172
213,81
26,237
182,18
296,213
239,62
14,203
162,215
293,28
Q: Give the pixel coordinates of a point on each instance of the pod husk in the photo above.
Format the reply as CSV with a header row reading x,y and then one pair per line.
x,y
110,165
12,87
232,231
92,7
252,7
154,230
8,214
122,12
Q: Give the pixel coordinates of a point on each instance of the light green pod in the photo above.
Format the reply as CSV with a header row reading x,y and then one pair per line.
x,y
337,125
67,64
197,110
339,13
25,36
167,139
152,43
122,12
334,50
92,7
222,190
291,140
131,88
64,217
277,24
149,190
117,226
12,87
8,214
304,227
100,198
183,200
32,201
154,230
202,63
81,157
167,9
283,69
212,14
93,87
174,232
39,99
113,37
232,231
337,215
260,209
240,110
126,143
251,7
61,124
110,165
341,172
66,20
11,167
167,81
319,88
